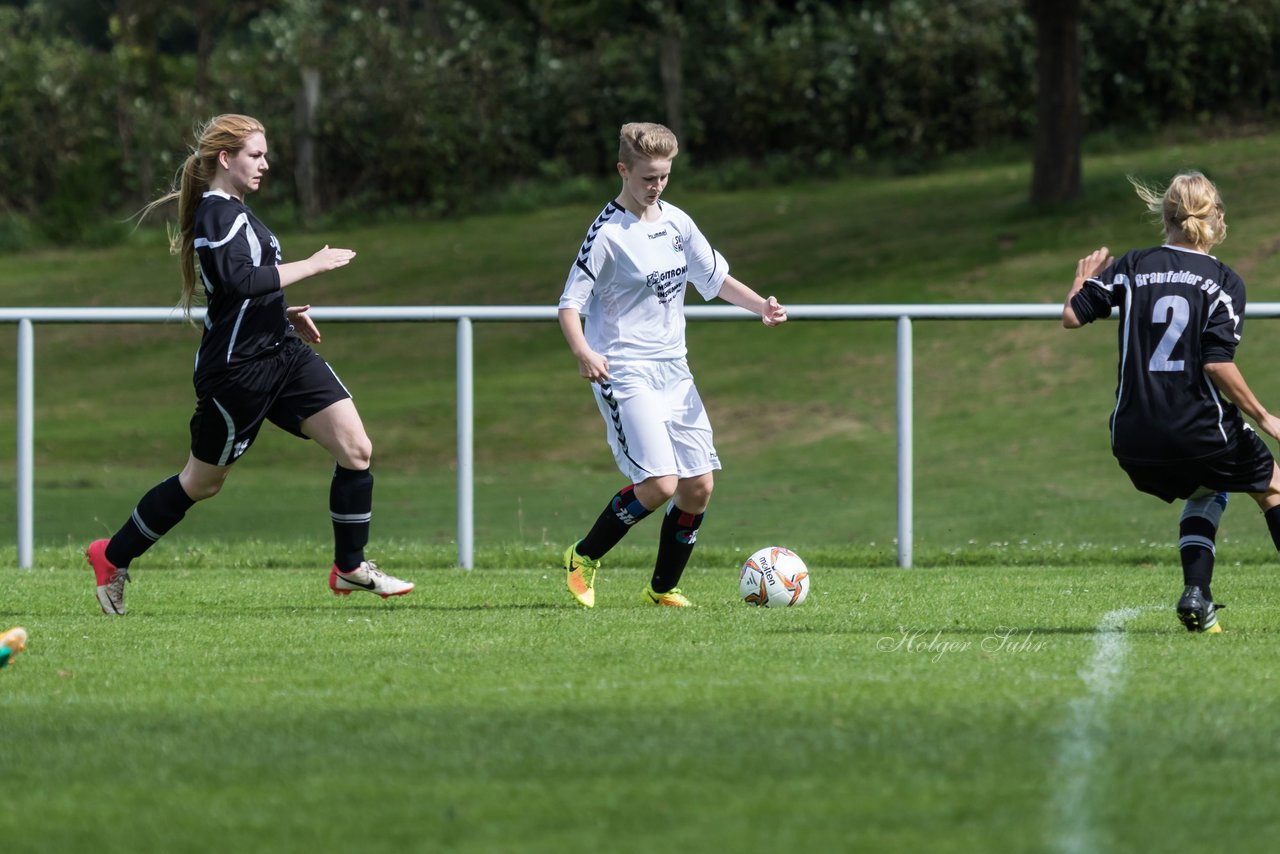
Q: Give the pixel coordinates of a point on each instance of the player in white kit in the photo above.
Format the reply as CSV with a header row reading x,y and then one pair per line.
x,y
628,282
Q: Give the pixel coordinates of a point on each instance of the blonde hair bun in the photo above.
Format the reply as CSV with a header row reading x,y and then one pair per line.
x,y
1190,209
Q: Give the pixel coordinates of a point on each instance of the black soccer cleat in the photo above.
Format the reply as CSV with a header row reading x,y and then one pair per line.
x,y
1197,613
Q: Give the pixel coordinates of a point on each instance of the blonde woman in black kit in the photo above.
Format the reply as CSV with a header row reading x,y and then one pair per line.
x,y
252,366
1176,428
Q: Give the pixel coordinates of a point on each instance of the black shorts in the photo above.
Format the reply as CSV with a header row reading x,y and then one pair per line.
x,y
284,388
1245,467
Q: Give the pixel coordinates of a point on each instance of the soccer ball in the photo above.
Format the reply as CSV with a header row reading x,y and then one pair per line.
x,y
775,578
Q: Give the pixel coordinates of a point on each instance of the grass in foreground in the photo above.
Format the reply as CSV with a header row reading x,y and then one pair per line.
x,y
933,710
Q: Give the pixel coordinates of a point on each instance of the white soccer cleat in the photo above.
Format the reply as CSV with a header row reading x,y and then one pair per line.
x,y
369,578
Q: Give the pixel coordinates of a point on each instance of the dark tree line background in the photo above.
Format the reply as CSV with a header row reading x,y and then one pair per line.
x,y
433,106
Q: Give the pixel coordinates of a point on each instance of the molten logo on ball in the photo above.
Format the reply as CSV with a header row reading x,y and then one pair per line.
x,y
775,578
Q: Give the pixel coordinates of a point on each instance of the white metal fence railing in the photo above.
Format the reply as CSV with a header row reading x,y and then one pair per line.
x,y
464,316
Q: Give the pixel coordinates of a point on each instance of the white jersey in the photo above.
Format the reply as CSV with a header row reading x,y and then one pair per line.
x,y
629,282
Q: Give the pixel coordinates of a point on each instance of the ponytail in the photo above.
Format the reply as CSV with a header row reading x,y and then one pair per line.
x,y
183,241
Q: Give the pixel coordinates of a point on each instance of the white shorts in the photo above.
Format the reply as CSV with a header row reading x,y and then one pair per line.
x,y
655,422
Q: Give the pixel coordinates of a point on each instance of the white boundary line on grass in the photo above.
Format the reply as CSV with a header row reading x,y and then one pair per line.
x,y
1072,829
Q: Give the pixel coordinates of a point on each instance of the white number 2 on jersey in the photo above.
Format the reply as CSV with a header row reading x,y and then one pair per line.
x,y
1175,311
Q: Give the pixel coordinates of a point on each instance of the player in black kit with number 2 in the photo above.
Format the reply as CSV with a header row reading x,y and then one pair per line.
x,y
252,366
1176,428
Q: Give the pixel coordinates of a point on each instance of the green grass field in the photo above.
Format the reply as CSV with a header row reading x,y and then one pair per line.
x,y
984,708
240,705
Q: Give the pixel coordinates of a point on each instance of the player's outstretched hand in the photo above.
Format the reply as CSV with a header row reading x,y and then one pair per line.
x,y
773,313
303,324
1093,263
330,258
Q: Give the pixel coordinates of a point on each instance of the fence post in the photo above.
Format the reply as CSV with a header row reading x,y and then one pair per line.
x,y
26,441
466,444
905,445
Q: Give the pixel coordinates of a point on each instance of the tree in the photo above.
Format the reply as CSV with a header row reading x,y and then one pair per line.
x,y
210,20
1055,176
670,38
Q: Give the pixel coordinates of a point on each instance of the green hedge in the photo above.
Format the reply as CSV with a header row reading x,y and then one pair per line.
x,y
431,107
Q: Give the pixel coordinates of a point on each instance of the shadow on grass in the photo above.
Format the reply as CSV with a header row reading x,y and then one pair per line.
x,y
384,608
921,634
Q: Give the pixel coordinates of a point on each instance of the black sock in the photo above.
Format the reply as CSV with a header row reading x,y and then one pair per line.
x,y
351,507
1273,524
679,533
1196,546
623,511
156,514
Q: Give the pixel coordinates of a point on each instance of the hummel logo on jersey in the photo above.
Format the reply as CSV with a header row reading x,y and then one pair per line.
x,y
655,236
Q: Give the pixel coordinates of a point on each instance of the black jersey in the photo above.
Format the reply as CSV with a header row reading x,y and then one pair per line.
x,y
237,257
1179,310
